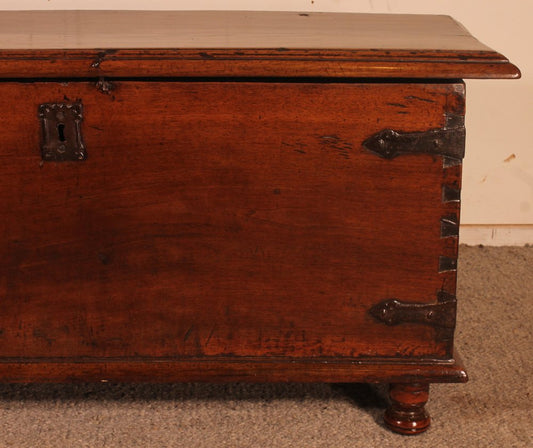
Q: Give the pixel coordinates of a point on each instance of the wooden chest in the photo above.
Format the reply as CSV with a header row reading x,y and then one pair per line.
x,y
233,197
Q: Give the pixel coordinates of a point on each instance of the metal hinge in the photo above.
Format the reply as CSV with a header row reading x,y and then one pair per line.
x,y
440,315
448,142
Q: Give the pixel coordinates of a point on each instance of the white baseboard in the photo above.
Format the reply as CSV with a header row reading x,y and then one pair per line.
x,y
496,235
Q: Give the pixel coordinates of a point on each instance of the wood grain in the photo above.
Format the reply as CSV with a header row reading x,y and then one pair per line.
x,y
224,370
231,29
236,43
407,414
222,220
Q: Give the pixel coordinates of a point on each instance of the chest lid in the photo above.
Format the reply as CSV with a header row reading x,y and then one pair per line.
x,y
40,44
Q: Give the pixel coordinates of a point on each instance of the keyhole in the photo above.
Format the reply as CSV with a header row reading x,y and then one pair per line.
x,y
61,132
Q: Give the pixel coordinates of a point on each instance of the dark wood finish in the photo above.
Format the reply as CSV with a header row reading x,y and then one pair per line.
x,y
250,63
237,197
254,370
241,44
406,413
192,229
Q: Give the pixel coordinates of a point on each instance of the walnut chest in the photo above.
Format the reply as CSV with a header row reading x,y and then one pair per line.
x,y
234,196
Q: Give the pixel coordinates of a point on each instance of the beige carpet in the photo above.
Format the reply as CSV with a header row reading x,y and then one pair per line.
x,y
493,410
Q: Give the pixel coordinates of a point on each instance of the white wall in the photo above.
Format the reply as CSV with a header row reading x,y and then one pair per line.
x,y
498,169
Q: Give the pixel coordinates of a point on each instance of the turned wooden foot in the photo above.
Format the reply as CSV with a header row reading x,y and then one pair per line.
x,y
406,413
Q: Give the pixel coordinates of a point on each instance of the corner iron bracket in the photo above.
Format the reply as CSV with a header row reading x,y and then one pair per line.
x,y
448,142
440,315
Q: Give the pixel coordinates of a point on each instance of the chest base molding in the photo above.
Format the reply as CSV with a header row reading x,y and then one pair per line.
x,y
224,370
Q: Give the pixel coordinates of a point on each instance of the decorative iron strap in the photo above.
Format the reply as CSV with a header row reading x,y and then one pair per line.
x,y
388,143
440,315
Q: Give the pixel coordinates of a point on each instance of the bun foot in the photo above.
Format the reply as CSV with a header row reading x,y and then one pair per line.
x,y
406,413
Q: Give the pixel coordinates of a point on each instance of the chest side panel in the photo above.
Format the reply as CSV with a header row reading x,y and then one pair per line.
x,y
225,220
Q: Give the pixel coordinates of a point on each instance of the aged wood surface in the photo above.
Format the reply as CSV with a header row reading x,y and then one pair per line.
x,y
231,29
223,220
224,370
247,200
241,43
406,413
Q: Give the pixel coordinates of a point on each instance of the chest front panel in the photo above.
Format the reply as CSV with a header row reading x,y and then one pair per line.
x,y
226,219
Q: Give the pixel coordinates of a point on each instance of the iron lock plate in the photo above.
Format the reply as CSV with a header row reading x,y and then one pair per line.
x,y
61,132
